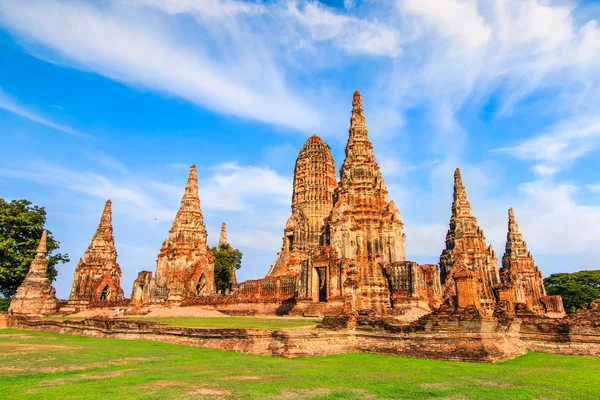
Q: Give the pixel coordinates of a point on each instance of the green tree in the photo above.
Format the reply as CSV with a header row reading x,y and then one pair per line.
x,y
21,226
576,289
225,258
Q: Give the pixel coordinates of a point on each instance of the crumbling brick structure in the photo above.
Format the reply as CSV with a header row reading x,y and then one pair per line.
x,y
98,275
520,272
35,296
312,200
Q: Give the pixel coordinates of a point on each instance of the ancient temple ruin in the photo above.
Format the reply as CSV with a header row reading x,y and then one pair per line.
x,y
98,275
35,296
312,201
520,274
184,267
361,235
342,258
224,242
466,245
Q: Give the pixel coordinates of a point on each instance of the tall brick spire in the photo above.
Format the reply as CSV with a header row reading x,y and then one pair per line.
x,y
36,296
223,235
98,275
518,268
362,195
42,248
103,242
465,242
188,225
312,200
460,204
364,226
515,245
185,258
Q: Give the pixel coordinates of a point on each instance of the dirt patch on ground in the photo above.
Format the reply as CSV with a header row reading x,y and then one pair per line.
x,y
94,376
289,394
208,392
434,385
299,394
14,349
497,384
244,378
193,391
22,336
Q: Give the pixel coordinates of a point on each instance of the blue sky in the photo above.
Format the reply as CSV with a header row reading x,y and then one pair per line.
x,y
116,99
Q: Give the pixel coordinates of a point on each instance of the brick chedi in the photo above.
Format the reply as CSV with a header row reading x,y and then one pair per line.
x,y
98,275
466,243
185,263
362,233
312,200
362,222
36,296
519,270
224,242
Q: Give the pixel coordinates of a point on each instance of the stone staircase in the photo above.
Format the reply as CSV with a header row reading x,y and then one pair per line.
x,y
315,310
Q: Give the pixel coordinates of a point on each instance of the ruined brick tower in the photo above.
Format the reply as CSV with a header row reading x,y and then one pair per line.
x,y
223,241
185,263
466,244
97,275
362,222
312,200
223,235
519,270
362,233
36,296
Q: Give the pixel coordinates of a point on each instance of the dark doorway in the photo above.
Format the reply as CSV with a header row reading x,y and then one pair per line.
x,y
104,293
201,286
322,284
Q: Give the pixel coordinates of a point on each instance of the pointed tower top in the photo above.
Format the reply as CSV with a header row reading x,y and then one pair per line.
x,y
512,222
516,247
357,120
188,225
460,203
103,242
192,178
457,177
105,225
106,217
223,236
42,248
190,196
315,143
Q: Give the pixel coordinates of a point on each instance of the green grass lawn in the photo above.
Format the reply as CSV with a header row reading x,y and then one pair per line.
x,y
41,365
225,322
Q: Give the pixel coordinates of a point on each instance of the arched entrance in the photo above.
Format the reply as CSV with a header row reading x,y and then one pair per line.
x,y
201,286
104,293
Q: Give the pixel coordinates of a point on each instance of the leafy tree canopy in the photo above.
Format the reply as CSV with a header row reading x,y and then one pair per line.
x,y
21,226
576,289
225,258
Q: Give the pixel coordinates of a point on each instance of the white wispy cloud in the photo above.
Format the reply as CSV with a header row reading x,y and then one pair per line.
x,y
465,50
559,146
352,34
147,53
11,105
140,204
235,187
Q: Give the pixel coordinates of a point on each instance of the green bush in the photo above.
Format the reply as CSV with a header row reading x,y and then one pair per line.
x,y
4,303
576,289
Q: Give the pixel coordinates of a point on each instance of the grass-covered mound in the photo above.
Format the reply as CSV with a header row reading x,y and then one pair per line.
x,y
40,365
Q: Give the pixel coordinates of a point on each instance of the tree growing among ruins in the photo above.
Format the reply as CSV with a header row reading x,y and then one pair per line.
x,y
576,289
21,226
226,258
